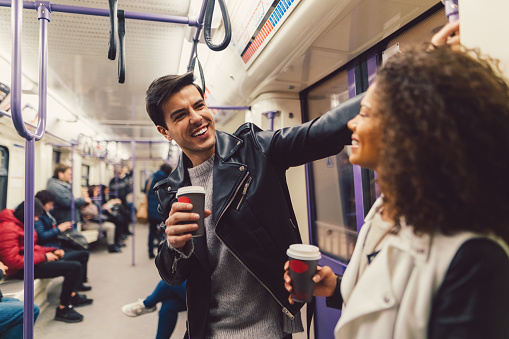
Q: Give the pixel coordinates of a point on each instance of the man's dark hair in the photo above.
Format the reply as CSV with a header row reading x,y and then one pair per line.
x,y
160,91
45,196
60,168
165,168
19,212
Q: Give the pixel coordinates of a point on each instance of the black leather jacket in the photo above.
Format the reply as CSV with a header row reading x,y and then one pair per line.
x,y
253,215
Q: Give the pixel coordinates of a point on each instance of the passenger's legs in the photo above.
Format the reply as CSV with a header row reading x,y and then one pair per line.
x,y
11,318
173,300
163,291
80,256
168,315
70,270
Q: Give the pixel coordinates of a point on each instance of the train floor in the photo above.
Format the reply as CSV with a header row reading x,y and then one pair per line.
x,y
115,282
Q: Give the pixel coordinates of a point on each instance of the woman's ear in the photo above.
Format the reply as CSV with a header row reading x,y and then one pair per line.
x,y
164,132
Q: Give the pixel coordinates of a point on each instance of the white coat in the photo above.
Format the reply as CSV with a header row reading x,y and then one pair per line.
x,y
394,296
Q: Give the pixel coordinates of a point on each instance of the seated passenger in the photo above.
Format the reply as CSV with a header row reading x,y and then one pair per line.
x,y
110,210
431,260
92,221
47,263
11,313
60,186
173,299
119,188
47,235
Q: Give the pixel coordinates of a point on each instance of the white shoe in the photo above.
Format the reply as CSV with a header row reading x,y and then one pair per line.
x,y
136,309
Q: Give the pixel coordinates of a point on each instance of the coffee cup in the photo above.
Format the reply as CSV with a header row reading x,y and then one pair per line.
x,y
194,195
303,262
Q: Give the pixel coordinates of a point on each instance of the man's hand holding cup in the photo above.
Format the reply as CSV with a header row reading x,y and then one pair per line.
x,y
185,218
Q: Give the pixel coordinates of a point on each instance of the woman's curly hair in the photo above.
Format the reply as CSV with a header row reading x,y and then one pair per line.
x,y
445,118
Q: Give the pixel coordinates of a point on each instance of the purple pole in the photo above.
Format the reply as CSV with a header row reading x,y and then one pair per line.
x,y
100,235
133,213
28,318
357,174
271,115
372,64
73,220
17,117
451,10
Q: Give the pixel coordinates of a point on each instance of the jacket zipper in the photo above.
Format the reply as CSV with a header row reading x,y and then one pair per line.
x,y
291,222
284,309
244,192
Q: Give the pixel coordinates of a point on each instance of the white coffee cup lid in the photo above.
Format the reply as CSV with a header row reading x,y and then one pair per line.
x,y
189,190
304,252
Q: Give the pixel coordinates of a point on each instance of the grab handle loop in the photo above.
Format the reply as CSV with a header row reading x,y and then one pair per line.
x,y
202,75
112,51
209,11
121,42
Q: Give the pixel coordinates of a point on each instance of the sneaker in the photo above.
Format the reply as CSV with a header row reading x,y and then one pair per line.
x,y
68,315
83,288
137,308
114,249
80,300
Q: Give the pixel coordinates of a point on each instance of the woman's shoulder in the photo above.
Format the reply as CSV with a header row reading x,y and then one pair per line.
x,y
479,255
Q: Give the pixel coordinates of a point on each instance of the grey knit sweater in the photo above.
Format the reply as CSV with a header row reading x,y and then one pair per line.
x,y
240,307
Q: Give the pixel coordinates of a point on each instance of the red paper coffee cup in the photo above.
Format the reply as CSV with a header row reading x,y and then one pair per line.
x,y
303,262
194,195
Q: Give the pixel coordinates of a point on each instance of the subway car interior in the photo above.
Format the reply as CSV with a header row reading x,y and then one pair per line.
x,y
73,81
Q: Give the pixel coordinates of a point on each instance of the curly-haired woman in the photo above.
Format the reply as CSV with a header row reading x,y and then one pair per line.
x,y
431,260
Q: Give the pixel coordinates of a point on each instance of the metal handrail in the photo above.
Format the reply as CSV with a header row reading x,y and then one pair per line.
x,y
17,117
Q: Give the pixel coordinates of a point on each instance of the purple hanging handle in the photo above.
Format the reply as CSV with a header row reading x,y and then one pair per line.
x,y
451,10
17,21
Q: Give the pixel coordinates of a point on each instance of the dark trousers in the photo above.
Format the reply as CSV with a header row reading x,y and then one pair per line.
x,y
80,256
153,234
70,270
173,300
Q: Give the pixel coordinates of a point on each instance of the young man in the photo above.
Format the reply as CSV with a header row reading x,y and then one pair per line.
x,y
234,272
60,186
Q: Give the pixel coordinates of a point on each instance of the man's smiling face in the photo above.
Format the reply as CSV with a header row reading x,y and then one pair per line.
x,y
190,124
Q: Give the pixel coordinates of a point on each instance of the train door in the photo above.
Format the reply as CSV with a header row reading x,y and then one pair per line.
x,y
4,175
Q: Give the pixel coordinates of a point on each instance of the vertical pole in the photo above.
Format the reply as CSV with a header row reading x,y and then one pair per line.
x,y
73,214
133,213
357,174
28,320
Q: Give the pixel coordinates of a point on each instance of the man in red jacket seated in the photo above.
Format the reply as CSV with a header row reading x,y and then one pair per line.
x,y
46,261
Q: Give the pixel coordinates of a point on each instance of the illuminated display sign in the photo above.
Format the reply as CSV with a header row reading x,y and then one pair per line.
x,y
256,23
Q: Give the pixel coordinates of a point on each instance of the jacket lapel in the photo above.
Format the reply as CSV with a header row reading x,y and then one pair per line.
x,y
227,175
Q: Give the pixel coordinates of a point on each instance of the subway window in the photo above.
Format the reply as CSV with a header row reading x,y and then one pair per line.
x,y
85,174
333,216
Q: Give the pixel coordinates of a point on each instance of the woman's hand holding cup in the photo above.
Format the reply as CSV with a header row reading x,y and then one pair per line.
x,y
325,281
